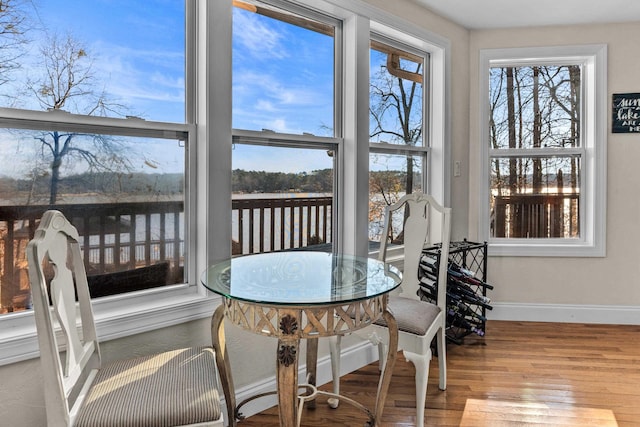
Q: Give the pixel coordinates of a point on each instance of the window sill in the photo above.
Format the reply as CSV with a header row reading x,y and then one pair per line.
x,y
545,249
142,312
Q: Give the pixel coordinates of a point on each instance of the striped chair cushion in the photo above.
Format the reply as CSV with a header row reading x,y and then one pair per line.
x,y
175,388
413,316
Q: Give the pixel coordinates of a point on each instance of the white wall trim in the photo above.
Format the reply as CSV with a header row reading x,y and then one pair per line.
x,y
352,359
19,341
566,313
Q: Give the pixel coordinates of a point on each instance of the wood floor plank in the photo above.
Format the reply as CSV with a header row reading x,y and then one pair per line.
x,y
518,374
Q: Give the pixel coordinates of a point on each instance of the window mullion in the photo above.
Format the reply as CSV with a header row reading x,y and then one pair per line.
x,y
376,147
353,173
537,152
273,138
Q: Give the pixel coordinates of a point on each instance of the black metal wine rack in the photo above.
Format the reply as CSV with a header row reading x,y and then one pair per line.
x,y
467,301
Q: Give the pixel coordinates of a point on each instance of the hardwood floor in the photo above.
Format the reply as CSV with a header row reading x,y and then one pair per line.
x,y
519,374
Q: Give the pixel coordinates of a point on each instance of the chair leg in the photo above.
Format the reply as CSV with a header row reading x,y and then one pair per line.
x,y
382,345
442,358
421,363
334,349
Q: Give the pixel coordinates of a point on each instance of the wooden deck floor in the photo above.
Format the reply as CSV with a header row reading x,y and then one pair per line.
x,y
519,374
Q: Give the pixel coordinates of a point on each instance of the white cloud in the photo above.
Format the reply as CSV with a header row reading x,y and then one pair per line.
x,y
259,40
140,77
276,90
280,125
264,105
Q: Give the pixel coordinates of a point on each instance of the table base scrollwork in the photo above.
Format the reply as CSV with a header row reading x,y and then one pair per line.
x,y
289,324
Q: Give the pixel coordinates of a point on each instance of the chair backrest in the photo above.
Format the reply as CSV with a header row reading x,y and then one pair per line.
x,y
425,223
69,352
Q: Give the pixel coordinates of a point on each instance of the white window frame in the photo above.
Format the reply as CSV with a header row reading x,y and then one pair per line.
x,y
423,150
359,21
132,313
593,150
436,150
334,143
123,314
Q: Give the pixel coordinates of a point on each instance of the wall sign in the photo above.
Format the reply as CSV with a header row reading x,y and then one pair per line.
x,y
626,113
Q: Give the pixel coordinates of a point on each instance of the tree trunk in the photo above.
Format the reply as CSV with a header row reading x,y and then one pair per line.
x,y
574,75
55,179
513,165
537,134
57,153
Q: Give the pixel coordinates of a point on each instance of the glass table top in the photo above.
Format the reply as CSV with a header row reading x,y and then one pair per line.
x,y
301,277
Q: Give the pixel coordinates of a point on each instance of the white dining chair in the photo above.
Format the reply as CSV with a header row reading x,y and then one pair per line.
x,y
174,388
425,223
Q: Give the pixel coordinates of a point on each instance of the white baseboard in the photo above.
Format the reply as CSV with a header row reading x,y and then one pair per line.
x,y
352,359
566,313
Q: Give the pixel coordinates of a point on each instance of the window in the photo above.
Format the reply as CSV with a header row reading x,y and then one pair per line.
x,y
283,70
398,138
284,116
545,150
280,205
262,97
136,71
109,182
106,182
125,195
97,129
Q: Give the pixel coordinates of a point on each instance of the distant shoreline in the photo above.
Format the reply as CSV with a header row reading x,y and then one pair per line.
x,y
77,199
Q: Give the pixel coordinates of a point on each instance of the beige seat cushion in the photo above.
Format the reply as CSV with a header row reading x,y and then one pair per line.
x,y
169,389
412,315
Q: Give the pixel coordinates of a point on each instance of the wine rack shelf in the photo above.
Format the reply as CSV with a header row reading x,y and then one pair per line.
x,y
467,301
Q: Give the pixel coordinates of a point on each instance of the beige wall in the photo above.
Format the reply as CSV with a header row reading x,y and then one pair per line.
x,y
609,281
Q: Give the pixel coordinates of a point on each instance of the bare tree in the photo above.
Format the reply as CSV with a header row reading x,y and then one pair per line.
x,y
393,111
67,83
565,92
396,116
13,30
387,185
534,107
495,124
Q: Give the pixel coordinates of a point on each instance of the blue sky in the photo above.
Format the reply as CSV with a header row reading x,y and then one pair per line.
x,y
137,53
282,74
137,48
282,81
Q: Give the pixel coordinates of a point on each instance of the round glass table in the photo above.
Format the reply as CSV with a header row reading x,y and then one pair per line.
x,y
294,295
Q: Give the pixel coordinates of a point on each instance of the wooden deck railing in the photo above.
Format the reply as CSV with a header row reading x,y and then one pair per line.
x,y
536,215
113,237
125,236
265,225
